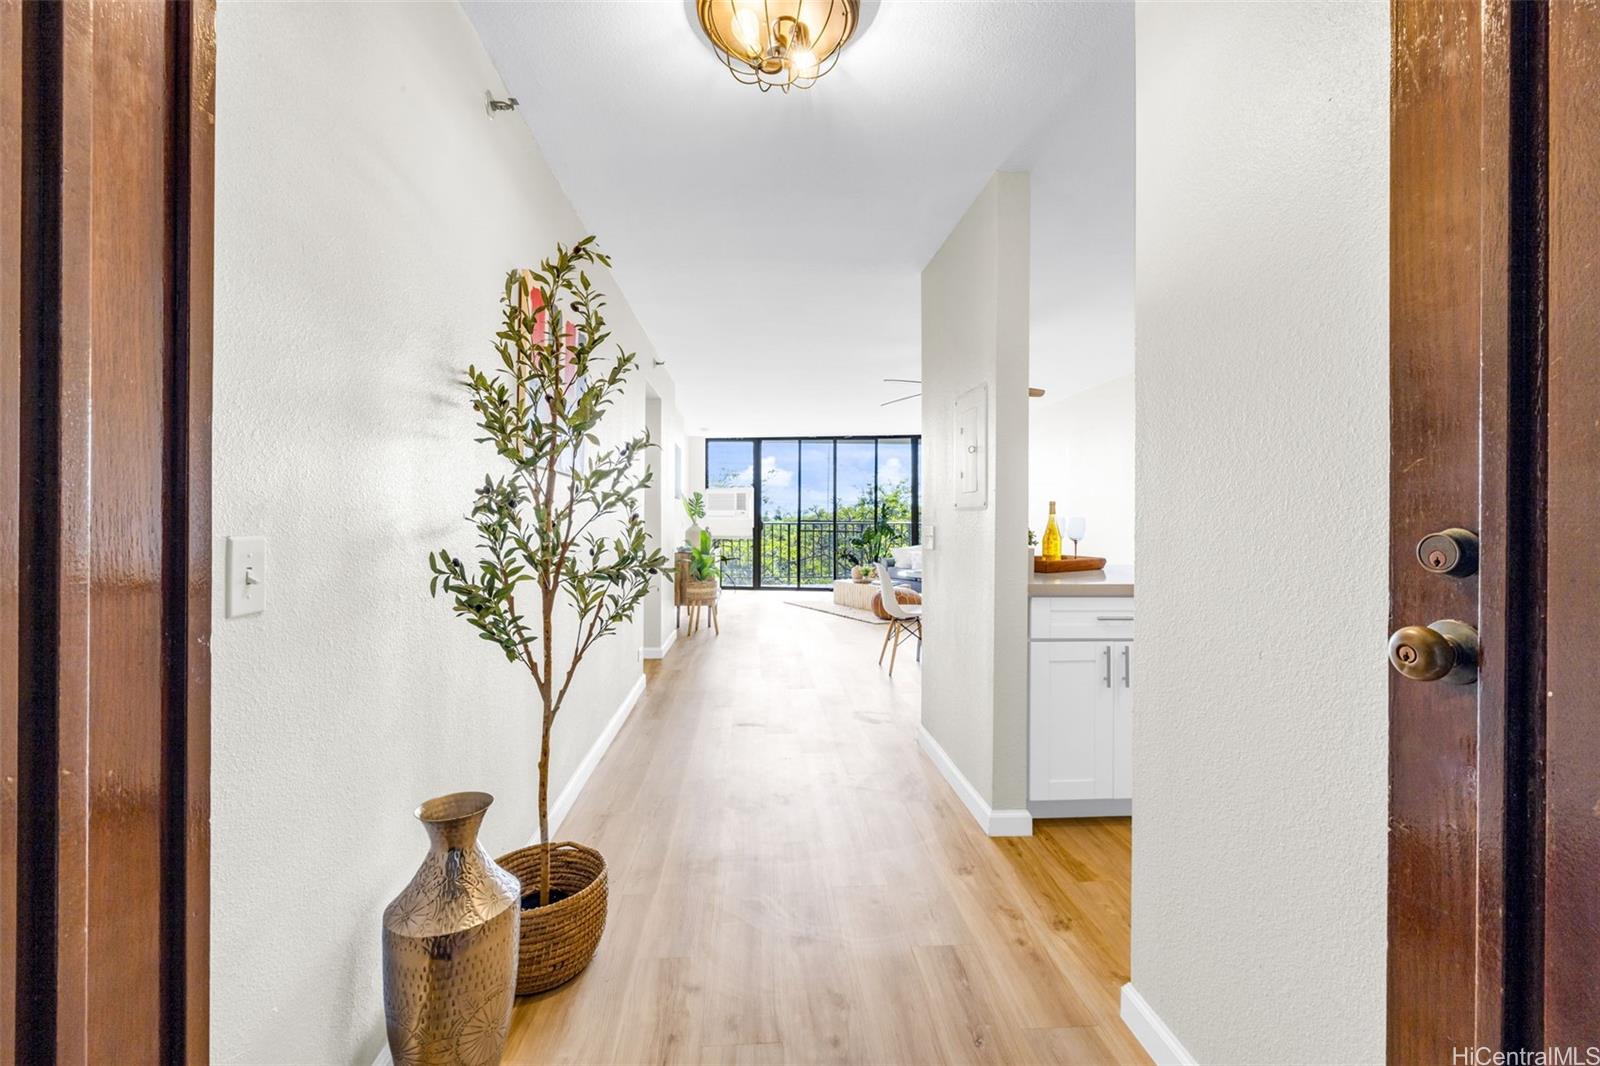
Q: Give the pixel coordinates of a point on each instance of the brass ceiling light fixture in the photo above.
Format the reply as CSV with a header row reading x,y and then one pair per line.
x,y
778,44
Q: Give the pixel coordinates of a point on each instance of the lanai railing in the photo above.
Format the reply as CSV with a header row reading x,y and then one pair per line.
x,y
802,552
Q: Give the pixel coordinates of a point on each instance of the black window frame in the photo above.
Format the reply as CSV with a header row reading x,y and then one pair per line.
x,y
756,545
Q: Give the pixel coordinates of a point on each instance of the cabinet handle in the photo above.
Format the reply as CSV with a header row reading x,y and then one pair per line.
x,y
1108,666
1127,680
1113,618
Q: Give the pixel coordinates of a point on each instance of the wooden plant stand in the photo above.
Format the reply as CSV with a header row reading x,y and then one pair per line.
x,y
700,597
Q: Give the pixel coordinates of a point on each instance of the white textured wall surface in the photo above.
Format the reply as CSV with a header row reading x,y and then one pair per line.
x,y
367,211
653,514
1081,456
1259,871
694,466
663,511
1080,165
975,332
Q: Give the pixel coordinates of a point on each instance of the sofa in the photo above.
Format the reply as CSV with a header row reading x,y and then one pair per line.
x,y
907,567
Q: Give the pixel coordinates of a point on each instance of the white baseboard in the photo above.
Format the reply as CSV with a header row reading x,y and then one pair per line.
x,y
1151,1032
574,787
591,759
666,645
1001,823
1091,808
1010,823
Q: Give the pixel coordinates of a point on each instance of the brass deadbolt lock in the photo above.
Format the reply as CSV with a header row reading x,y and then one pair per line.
x,y
1445,651
1449,551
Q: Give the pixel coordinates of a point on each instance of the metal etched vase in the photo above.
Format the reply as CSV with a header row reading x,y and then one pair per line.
x,y
450,945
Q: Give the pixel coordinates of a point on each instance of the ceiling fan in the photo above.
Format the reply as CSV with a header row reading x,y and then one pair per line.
x,y
902,399
1034,392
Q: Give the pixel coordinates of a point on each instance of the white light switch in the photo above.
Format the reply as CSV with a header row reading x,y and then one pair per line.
x,y
247,576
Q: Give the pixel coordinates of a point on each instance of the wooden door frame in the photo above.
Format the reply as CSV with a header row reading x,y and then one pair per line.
x,y
106,148
1464,372
1468,370
1467,384
1495,381
1570,1005
11,115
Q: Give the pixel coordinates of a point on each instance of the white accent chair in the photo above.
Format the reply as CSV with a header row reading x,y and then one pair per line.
x,y
905,620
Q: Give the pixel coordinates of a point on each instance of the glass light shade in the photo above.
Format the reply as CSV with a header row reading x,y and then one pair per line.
x,y
803,64
746,27
779,44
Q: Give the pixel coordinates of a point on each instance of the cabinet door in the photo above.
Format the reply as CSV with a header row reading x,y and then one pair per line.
x,y
1122,743
1071,702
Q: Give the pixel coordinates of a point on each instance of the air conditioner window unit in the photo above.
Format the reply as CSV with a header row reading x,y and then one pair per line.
x,y
730,513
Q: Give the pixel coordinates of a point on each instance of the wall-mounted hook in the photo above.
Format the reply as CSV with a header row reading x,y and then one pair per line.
x,y
493,105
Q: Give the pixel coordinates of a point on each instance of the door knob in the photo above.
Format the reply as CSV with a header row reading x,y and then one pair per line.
x,y
1445,651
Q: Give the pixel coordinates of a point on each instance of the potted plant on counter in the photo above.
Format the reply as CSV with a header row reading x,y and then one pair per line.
x,y
561,545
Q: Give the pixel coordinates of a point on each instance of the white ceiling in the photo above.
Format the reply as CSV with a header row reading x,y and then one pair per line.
x,y
771,245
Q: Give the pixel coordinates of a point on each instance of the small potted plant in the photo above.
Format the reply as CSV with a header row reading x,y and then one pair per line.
x,y
695,507
559,529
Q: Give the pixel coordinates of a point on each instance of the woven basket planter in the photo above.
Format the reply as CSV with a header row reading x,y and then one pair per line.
x,y
559,940
698,593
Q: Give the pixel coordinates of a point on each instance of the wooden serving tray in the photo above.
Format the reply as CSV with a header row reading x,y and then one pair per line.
x,y
1067,564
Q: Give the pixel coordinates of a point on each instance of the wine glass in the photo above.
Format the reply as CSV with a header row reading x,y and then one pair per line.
x,y
1074,533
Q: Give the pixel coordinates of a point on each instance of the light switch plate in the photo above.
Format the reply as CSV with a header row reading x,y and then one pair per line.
x,y
247,576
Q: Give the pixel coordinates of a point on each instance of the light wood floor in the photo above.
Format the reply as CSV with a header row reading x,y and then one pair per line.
x,y
793,882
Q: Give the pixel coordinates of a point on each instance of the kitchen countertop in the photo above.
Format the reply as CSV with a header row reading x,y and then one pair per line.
x,y
1114,580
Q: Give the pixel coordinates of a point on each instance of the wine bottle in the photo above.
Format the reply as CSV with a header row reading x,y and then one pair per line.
x,y
1050,549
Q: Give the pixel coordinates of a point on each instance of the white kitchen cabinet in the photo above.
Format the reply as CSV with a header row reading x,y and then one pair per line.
x,y
1069,618
1080,707
1071,721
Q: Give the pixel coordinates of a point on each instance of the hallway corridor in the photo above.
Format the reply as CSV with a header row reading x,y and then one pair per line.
x,y
792,881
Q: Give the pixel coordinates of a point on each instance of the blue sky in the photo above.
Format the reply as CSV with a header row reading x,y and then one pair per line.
x,y
731,463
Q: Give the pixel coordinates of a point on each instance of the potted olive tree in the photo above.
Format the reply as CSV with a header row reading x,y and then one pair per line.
x,y
562,557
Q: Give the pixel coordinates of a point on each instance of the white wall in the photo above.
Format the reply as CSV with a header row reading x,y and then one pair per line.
x,y
1080,455
1080,167
1259,877
694,465
1080,164
367,211
652,521
664,512
975,331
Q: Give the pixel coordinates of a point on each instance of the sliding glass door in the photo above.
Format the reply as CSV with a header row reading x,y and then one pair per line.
x,y
817,497
777,531
814,550
856,499
732,464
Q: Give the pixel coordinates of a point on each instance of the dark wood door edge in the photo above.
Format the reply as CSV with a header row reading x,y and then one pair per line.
x,y
1571,816
106,141
1468,409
